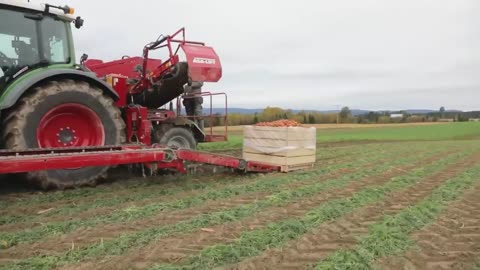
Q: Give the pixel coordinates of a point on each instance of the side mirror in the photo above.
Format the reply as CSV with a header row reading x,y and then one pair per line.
x,y
78,22
83,58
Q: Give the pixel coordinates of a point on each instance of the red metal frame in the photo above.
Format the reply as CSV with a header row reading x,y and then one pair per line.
x,y
124,67
209,158
161,115
204,63
119,84
57,160
138,126
208,137
154,157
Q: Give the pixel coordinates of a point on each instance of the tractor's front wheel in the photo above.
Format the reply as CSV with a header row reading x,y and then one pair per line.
x,y
64,113
178,137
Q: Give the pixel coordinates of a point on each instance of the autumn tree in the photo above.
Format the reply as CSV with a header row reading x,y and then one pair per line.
x,y
345,114
271,114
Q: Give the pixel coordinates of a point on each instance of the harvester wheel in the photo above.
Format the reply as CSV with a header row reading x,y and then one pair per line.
x,y
179,137
64,113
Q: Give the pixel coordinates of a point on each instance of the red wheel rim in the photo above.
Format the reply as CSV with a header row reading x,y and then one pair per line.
x,y
68,125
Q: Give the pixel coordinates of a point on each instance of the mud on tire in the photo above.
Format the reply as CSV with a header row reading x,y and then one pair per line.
x,y
19,127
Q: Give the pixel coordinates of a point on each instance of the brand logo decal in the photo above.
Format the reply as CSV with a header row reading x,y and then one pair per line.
x,y
207,61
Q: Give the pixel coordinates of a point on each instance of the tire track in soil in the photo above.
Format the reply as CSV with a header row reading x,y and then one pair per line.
x,y
452,242
178,247
29,210
343,233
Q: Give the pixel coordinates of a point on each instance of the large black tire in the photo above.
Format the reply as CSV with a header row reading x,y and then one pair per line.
x,y
19,129
178,137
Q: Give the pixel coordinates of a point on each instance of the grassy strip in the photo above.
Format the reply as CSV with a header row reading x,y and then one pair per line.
x,y
142,195
252,243
125,242
234,142
391,236
451,131
269,184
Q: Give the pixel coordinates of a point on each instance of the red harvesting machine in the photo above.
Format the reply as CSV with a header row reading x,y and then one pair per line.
x,y
148,87
143,124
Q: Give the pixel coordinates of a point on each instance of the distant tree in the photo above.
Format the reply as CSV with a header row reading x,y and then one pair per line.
x,y
361,119
255,118
217,121
345,114
372,117
384,119
442,112
311,119
271,114
461,117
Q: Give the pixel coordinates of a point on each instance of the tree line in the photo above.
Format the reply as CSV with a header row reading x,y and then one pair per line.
x,y
343,116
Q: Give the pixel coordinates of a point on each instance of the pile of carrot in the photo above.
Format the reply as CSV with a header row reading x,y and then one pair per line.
x,y
279,123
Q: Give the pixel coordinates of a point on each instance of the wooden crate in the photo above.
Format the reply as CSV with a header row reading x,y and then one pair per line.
x,y
292,148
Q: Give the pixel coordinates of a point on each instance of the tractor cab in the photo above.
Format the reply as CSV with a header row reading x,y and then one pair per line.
x,y
33,37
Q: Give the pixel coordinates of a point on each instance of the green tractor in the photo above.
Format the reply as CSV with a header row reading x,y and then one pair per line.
x,y
46,99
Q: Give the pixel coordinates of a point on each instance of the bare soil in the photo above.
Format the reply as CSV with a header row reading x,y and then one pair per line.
x,y
344,233
174,249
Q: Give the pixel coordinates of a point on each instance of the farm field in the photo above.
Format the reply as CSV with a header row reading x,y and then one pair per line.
x,y
378,197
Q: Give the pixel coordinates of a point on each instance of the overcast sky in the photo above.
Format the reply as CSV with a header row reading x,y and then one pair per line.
x,y
367,54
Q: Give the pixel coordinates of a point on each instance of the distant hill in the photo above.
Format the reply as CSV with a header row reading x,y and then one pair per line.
x,y
355,112
252,111
423,111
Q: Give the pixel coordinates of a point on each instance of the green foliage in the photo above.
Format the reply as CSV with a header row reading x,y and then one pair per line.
x,y
163,185
274,113
388,239
273,183
255,118
234,142
450,131
345,115
251,243
282,196
390,236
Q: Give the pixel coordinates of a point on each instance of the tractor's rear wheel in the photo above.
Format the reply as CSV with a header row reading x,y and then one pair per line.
x,y
64,113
